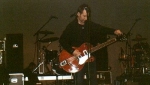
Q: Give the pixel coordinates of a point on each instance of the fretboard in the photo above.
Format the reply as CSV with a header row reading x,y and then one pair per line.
x,y
108,42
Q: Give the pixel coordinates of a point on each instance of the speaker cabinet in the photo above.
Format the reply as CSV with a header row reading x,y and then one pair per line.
x,y
14,52
104,77
16,79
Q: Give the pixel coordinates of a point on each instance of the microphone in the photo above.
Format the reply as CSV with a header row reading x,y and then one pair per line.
x,y
54,17
138,19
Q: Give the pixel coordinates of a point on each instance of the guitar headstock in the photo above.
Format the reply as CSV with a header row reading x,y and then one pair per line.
x,y
121,37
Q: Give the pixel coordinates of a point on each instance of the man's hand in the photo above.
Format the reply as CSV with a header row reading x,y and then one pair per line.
x,y
118,32
76,53
91,59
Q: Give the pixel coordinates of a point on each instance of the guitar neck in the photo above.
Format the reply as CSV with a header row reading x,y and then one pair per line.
x,y
102,45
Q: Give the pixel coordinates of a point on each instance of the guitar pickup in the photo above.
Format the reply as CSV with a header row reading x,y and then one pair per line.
x,y
85,52
63,63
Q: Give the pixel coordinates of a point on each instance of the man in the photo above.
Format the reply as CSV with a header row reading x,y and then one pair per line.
x,y
28,72
82,30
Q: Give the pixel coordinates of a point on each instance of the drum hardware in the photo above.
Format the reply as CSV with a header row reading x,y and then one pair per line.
x,y
123,56
129,59
141,55
46,32
2,50
46,57
41,63
1,57
38,39
145,58
144,70
2,45
49,39
49,55
139,39
37,67
139,71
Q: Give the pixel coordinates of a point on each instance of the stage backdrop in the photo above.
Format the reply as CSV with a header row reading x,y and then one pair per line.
x,y
28,16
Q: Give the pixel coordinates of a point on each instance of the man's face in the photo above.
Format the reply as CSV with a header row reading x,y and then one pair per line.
x,y
82,17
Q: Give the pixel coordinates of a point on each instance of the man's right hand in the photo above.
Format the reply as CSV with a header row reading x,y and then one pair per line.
x,y
76,53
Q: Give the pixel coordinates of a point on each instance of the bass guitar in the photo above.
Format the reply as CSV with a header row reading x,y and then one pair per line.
x,y
73,64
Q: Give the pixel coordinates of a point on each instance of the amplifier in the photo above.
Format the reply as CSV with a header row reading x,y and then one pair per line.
x,y
2,45
104,77
16,79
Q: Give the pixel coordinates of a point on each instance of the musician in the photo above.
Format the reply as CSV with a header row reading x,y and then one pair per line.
x,y
82,30
28,72
140,51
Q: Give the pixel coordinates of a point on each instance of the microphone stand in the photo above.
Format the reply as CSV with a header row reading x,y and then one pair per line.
x,y
89,46
43,26
37,39
128,45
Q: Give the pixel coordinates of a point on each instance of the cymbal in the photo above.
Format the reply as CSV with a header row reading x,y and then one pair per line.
x,y
139,39
49,39
46,32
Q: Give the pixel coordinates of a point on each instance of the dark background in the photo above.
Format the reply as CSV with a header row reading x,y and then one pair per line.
x,y
27,16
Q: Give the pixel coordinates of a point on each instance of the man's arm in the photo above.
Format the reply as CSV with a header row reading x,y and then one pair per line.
x,y
65,40
110,30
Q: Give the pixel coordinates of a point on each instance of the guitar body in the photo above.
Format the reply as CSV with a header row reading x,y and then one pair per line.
x,y
74,66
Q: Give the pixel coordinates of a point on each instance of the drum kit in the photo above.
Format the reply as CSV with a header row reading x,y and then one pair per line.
x,y
48,59
138,62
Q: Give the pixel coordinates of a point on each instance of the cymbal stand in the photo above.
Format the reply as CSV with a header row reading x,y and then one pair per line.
x,y
41,64
37,41
42,58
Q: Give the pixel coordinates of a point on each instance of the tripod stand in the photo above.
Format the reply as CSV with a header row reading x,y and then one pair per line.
x,y
44,62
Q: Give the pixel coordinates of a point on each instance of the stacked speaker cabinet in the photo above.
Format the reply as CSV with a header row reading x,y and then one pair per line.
x,y
14,53
16,79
